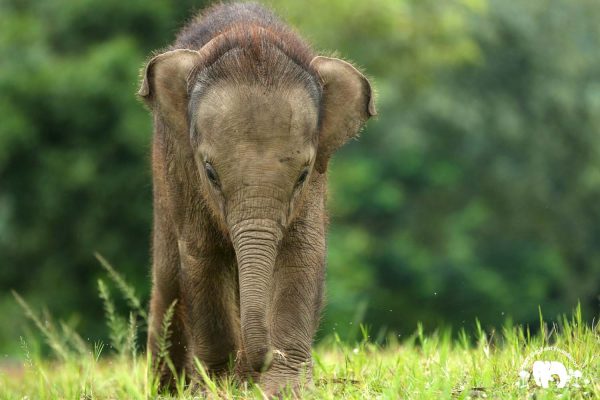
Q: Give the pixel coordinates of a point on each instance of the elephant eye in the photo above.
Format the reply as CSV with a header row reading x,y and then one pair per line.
x,y
211,174
302,177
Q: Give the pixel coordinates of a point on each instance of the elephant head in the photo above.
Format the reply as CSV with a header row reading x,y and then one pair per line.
x,y
260,126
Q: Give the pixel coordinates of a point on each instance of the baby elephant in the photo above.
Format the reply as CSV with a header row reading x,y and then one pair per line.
x,y
246,118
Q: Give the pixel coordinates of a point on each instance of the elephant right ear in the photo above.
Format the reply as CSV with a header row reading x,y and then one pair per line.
x,y
164,86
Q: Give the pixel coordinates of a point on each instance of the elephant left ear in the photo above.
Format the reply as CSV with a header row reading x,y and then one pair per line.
x,y
347,104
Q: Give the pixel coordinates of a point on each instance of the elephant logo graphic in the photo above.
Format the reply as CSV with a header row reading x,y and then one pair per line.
x,y
546,371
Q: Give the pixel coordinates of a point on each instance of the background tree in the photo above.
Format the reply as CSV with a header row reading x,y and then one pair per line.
x,y
475,193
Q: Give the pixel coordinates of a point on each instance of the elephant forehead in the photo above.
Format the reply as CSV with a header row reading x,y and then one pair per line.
x,y
232,114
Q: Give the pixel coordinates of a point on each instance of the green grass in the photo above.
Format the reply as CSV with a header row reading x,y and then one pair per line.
x,y
433,366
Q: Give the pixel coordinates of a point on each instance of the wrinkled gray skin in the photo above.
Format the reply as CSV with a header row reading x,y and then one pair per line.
x,y
239,210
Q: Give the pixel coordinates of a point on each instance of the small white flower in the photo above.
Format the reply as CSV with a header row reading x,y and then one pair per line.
x,y
524,375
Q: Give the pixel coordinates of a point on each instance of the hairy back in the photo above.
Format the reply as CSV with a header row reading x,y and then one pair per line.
x,y
233,20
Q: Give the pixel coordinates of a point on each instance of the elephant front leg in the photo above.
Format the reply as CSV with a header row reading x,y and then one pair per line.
x,y
295,311
209,295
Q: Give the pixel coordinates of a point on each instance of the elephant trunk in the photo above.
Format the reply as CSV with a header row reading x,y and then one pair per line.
x,y
256,242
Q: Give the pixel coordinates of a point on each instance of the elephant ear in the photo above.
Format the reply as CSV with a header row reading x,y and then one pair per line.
x,y
164,86
346,105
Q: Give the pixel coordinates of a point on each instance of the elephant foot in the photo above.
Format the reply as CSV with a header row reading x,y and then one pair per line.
x,y
279,383
288,387
282,379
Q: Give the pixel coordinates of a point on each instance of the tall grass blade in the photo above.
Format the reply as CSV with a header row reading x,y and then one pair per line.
x,y
131,338
46,328
164,339
116,325
74,339
127,290
210,384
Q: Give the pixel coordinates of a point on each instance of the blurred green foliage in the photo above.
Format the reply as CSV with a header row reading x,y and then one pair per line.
x,y
475,193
